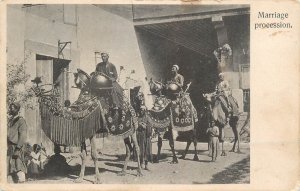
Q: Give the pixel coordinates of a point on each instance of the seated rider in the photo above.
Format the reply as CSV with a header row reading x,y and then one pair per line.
x,y
109,70
222,86
176,78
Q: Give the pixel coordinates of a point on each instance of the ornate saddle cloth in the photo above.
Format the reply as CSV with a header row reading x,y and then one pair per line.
x,y
159,116
70,126
183,114
84,118
119,122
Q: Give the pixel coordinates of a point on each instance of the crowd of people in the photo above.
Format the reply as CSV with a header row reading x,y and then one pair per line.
x,y
33,165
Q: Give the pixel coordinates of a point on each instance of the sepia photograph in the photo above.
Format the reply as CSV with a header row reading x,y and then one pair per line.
x,y
128,94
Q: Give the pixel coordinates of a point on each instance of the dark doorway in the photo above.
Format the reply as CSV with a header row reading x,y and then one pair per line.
x,y
54,71
190,45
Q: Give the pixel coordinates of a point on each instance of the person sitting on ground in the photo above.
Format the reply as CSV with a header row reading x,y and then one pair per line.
x,y
35,164
57,165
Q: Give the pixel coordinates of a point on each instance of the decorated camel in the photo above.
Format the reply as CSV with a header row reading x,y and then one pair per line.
x,y
90,116
172,111
224,110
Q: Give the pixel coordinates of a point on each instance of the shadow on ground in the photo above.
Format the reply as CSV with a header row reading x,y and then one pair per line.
x,y
236,173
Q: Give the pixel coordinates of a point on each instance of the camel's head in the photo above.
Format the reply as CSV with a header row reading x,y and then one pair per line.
x,y
209,96
156,87
81,79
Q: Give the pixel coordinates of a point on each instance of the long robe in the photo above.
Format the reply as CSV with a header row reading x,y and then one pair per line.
x,y
16,138
144,132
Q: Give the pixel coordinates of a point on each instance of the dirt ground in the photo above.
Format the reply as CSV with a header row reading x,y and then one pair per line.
x,y
231,169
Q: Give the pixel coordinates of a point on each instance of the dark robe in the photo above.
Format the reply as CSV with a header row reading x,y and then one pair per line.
x,y
144,133
16,138
108,69
117,92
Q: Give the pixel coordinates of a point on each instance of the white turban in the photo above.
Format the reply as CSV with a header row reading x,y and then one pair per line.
x,y
176,66
104,53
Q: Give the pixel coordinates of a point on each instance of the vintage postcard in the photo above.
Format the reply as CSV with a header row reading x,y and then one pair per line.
x,y
150,95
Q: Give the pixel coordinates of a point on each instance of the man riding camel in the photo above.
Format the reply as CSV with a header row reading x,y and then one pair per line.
x,y
176,77
222,86
110,71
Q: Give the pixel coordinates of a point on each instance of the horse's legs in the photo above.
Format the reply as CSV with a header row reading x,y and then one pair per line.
x,y
123,172
83,161
188,143
159,145
137,150
171,143
94,155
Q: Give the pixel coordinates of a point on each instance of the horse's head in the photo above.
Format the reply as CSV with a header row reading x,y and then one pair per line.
x,y
82,79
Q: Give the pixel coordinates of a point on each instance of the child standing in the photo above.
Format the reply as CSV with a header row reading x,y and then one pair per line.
x,y
213,133
144,133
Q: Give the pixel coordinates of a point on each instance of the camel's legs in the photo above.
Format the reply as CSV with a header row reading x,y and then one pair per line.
x,y
159,145
123,172
171,143
221,139
127,142
233,123
195,146
83,161
223,151
186,149
236,140
94,154
137,149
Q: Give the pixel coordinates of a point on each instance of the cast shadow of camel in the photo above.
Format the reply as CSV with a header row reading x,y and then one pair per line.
x,y
88,171
236,173
118,158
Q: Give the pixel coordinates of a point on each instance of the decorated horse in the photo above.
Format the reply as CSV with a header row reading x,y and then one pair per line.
x,y
172,111
224,110
91,115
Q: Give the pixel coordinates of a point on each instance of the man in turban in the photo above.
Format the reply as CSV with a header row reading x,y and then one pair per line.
x,y
222,86
106,67
176,77
110,70
16,138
